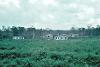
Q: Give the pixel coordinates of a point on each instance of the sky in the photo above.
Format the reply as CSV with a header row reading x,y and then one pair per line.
x,y
53,14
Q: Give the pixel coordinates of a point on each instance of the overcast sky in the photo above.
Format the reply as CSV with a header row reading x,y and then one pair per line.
x,y
54,14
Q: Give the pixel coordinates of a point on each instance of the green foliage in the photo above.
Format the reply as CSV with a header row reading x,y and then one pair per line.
x,y
50,53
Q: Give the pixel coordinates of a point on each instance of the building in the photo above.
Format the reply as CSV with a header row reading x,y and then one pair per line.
x,y
18,37
61,37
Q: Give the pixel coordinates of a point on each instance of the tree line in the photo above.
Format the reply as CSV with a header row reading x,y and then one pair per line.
x,y
9,32
89,31
29,33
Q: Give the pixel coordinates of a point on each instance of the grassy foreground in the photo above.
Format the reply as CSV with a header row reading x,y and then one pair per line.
x,y
50,53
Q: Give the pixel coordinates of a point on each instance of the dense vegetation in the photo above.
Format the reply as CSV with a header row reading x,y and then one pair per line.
x,y
50,53
33,33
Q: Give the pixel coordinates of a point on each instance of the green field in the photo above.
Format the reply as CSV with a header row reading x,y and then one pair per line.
x,y
50,53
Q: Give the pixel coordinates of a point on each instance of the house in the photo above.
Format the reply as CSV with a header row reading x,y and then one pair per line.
x,y
61,37
18,37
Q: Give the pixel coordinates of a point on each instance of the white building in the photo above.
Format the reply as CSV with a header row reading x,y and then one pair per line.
x,y
18,37
61,37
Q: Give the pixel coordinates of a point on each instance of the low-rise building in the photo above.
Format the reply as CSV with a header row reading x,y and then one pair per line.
x,y
61,37
18,37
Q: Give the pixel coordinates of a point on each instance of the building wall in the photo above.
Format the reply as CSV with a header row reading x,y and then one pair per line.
x,y
60,38
18,37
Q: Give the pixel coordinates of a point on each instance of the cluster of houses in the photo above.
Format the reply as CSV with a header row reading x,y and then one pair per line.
x,y
60,36
50,36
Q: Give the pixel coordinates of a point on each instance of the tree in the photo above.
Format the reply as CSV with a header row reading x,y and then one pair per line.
x,y
1,36
30,33
6,33
14,31
21,31
82,31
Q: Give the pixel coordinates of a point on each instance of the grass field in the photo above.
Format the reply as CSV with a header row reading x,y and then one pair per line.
x,y
50,53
